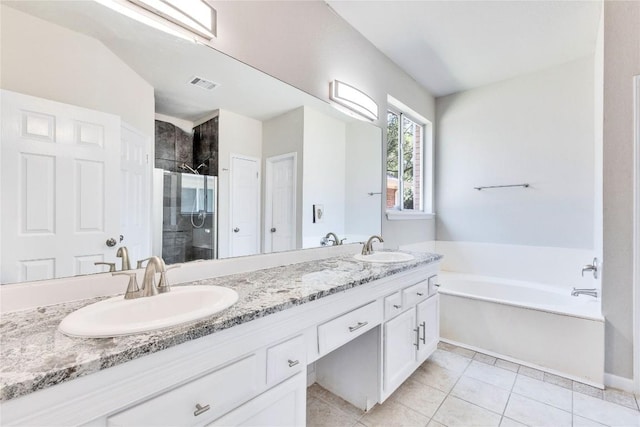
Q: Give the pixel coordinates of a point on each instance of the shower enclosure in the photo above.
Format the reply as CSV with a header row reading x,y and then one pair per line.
x,y
189,218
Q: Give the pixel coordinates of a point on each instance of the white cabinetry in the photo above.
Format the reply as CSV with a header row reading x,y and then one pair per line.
x,y
410,337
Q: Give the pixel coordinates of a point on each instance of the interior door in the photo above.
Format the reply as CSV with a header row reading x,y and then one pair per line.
x,y
245,206
63,205
135,193
280,204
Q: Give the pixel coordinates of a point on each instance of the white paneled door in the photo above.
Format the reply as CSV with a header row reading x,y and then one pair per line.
x,y
245,205
280,203
60,181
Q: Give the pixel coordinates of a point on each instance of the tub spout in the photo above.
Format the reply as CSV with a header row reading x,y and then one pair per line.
x,y
591,291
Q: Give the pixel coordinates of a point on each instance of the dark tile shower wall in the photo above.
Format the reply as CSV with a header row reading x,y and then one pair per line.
x,y
174,146
205,146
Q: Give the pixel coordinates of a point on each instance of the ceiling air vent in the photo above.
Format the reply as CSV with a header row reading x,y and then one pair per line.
x,y
203,83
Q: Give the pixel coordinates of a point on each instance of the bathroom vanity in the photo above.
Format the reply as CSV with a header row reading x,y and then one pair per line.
x,y
361,327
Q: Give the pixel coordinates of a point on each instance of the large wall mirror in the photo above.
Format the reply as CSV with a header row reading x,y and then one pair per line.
x,y
116,135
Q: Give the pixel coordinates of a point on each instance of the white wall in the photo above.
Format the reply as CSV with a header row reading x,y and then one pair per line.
x,y
621,63
323,176
307,45
363,149
237,134
48,61
535,129
282,135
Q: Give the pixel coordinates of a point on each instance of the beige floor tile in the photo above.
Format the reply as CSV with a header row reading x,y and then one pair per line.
x,y
325,395
558,380
485,358
544,392
392,414
530,412
530,372
621,398
588,390
436,376
482,394
509,366
456,412
584,422
451,361
508,422
419,397
434,423
321,414
604,412
490,374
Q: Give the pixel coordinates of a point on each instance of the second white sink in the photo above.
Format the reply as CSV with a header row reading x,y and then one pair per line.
x,y
385,257
117,316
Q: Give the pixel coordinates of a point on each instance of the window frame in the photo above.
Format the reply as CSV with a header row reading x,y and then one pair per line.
x,y
426,164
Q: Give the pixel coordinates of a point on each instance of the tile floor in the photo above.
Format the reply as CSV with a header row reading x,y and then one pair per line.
x,y
459,387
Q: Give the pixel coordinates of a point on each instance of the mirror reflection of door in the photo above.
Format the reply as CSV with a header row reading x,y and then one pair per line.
x,y
60,200
280,203
245,205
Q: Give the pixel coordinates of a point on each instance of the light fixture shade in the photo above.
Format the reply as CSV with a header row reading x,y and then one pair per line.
x,y
354,99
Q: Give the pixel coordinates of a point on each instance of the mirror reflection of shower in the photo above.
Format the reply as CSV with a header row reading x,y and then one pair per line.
x,y
195,171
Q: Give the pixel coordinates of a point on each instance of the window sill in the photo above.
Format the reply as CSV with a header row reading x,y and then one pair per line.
x,y
404,215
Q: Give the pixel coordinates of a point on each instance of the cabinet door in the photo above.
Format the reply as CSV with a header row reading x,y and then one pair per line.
x,y
282,405
400,339
427,313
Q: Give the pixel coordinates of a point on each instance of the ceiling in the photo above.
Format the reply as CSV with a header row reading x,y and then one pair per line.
x,y
452,46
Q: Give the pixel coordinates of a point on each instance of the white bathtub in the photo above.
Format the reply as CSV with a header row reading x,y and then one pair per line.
x,y
532,324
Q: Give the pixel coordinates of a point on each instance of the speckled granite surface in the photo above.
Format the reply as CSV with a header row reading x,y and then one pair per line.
x,y
34,355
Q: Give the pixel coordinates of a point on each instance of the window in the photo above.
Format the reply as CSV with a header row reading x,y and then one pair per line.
x,y
405,160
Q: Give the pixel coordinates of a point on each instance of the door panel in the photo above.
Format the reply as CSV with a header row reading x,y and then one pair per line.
x,y
64,161
245,205
280,209
399,349
428,323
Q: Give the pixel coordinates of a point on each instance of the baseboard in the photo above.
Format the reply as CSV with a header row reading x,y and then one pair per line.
x,y
621,383
311,374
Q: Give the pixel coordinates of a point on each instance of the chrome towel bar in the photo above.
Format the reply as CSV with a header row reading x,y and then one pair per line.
x,y
501,186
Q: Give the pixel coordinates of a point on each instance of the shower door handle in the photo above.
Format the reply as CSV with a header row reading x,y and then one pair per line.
x,y
235,230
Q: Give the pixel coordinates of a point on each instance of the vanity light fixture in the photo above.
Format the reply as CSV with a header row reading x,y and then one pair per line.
x,y
354,99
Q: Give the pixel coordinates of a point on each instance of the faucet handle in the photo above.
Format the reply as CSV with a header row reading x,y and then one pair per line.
x,y
112,265
142,261
163,284
133,291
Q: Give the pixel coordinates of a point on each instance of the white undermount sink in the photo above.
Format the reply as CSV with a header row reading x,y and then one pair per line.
x,y
385,257
118,316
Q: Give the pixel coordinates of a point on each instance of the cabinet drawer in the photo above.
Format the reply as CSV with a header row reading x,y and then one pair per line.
x,y
416,293
343,329
392,305
286,359
433,284
221,391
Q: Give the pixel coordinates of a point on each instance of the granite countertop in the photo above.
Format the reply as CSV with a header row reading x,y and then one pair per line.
x,y
35,355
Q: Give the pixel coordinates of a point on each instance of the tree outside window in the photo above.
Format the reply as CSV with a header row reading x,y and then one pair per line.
x,y
404,162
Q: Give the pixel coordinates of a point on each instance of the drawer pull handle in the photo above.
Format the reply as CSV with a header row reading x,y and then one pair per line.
x,y
293,363
420,294
424,332
397,306
358,326
201,409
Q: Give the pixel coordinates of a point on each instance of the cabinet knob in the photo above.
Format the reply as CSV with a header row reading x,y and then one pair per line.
x,y
201,409
397,306
420,294
293,363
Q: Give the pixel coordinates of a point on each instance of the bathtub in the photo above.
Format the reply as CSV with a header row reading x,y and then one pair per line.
x,y
532,324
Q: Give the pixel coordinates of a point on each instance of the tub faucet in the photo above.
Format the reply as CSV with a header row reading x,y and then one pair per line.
x,y
591,291
367,249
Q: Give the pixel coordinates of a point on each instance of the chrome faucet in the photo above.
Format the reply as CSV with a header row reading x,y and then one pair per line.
x,y
591,291
124,254
335,242
367,249
112,265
